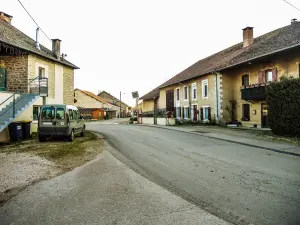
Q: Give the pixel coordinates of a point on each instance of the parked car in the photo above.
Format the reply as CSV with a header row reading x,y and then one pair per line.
x,y
60,120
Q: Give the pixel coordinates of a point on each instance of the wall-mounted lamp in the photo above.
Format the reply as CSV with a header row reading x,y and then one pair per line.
x,y
254,112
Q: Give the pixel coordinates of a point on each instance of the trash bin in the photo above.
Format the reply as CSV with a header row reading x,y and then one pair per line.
x,y
26,124
15,131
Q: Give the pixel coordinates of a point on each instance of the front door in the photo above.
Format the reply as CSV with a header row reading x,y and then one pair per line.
x,y
195,112
264,115
2,79
170,100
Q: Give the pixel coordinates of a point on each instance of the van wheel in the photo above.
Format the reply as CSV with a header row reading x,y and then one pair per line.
x,y
42,138
82,132
71,137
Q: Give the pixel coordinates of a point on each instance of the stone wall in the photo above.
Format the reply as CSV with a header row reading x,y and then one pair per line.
x,y
68,85
17,72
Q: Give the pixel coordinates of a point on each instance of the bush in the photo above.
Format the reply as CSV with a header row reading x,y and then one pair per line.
x,y
283,99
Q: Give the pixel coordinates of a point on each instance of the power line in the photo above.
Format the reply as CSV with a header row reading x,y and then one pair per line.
x,y
292,5
33,19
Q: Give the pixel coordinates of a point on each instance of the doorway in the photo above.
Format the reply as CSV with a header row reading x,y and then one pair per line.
x,y
194,111
2,79
264,115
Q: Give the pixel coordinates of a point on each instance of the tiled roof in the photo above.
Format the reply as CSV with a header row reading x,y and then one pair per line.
x,y
270,43
150,95
92,95
117,100
12,36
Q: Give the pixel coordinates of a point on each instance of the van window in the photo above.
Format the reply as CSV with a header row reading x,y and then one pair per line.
x,y
60,113
77,114
48,113
71,114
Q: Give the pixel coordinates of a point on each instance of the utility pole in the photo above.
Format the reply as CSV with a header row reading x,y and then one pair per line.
x,y
120,102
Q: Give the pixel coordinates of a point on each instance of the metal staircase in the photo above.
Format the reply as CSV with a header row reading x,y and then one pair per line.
x,y
15,105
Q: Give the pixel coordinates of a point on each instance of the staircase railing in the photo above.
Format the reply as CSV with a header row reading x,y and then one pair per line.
x,y
39,85
13,96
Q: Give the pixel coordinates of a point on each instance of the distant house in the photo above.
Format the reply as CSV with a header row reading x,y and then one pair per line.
x,y
30,75
115,101
229,86
87,101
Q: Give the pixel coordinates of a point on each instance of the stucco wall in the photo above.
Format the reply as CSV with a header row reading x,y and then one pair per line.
x,y
34,62
86,101
199,101
148,105
17,72
232,82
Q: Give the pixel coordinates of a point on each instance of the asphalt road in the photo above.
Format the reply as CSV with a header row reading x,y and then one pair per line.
x,y
241,184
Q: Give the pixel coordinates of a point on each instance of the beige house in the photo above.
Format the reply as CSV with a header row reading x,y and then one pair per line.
x,y
88,100
229,86
30,75
115,101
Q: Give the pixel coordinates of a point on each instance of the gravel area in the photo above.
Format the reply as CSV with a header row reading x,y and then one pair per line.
x,y
18,170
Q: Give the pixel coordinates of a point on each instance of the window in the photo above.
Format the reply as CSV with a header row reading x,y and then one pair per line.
x,y
71,114
186,113
185,93
60,113
268,75
245,79
204,88
177,94
36,110
205,113
246,112
194,91
178,112
41,72
48,113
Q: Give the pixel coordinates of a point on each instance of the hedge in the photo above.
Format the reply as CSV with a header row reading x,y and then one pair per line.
x,y
283,99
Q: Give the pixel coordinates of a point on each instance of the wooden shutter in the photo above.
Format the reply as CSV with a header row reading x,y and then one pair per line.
x,y
260,77
209,113
274,74
201,113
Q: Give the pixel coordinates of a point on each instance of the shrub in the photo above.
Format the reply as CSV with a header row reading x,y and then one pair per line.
x,y
283,99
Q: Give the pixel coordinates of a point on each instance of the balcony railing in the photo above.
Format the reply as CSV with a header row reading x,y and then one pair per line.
x,y
39,85
254,92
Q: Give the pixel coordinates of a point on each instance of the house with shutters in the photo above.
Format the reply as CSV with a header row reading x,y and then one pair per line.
x,y
230,85
31,75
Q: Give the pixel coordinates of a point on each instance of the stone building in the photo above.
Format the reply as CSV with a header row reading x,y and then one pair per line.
x,y
32,74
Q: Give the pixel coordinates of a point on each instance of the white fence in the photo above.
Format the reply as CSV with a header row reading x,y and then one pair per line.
x,y
160,121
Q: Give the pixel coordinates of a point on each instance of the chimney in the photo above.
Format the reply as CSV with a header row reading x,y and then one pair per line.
x,y
293,21
56,48
7,18
37,44
247,36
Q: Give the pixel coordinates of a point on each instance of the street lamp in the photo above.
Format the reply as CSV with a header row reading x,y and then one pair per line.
x,y
120,101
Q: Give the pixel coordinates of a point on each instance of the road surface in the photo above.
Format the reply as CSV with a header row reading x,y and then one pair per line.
x,y
241,184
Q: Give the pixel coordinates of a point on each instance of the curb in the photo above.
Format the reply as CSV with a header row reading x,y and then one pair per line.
x,y
231,141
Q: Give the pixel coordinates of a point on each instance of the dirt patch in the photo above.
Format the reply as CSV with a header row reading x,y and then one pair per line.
x,y
30,161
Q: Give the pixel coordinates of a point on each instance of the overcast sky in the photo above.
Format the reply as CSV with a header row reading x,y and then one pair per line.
x,y
135,45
